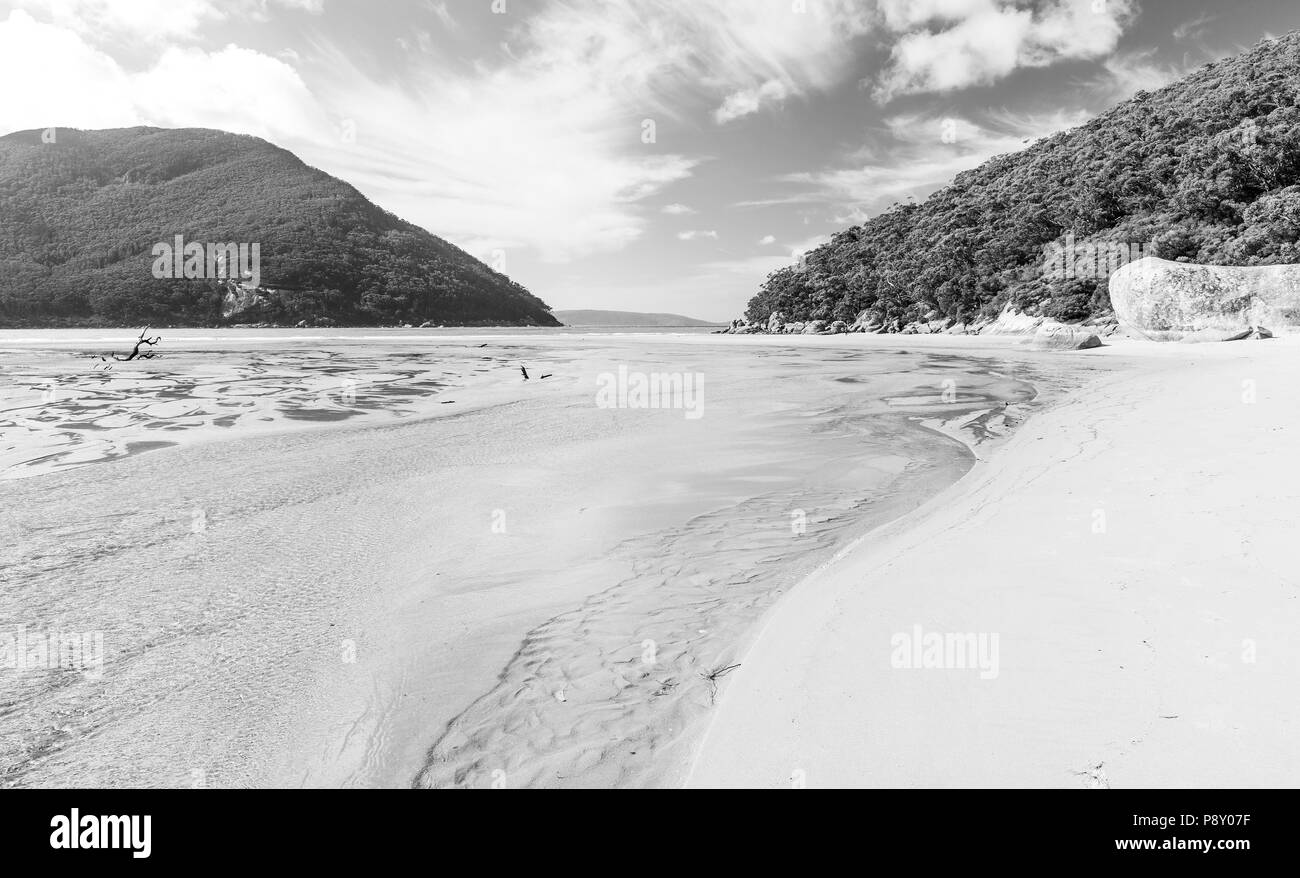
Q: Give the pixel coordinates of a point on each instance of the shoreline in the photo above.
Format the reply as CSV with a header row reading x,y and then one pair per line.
x,y
379,536
820,702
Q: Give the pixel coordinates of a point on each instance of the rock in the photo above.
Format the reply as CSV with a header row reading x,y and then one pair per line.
x,y
866,321
956,329
839,327
812,327
1173,301
241,301
775,322
428,324
1053,336
303,324
1012,322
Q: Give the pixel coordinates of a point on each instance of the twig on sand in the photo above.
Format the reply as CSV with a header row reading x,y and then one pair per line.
x,y
712,678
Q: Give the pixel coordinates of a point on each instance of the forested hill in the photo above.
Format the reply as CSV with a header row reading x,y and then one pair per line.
x,y
1204,169
79,217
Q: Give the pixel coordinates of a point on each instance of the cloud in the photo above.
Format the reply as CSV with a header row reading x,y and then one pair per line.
x,y
1193,29
147,22
947,45
767,240
1128,73
537,157
750,100
80,86
439,9
920,154
693,234
678,210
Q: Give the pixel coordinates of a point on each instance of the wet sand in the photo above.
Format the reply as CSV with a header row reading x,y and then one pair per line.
x,y
519,588
1131,549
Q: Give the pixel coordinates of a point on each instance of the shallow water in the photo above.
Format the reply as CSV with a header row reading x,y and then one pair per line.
x,y
466,579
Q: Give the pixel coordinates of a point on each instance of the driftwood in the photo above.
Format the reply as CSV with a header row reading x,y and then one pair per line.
x,y
135,353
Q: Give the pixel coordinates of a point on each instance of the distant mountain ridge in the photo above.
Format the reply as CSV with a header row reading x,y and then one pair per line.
x,y
81,211
627,318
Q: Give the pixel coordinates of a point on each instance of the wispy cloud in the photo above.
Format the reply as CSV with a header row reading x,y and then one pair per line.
x,y
1128,73
1193,29
919,153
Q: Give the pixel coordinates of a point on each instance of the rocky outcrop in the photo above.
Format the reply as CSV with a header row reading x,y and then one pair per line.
x,y
1012,322
1176,301
866,321
240,301
776,322
812,327
1054,336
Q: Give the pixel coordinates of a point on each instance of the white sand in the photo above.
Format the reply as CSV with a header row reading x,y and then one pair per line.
x,y
347,596
1156,647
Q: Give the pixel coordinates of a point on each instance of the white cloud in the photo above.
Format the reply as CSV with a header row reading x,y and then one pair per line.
x,y
80,86
925,153
750,100
66,82
678,210
146,22
1194,28
693,234
767,240
445,18
1131,72
1127,73
979,42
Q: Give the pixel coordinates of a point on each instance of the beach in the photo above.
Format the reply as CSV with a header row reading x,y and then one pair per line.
x,y
1131,549
384,560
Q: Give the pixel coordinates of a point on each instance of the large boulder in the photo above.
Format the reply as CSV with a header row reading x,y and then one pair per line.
x,y
1178,301
812,327
775,321
1054,336
838,327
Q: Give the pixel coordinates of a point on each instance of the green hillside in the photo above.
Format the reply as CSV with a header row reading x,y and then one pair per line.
x,y
80,216
1205,169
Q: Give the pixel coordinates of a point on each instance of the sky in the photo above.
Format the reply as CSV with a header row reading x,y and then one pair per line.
x,y
640,155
